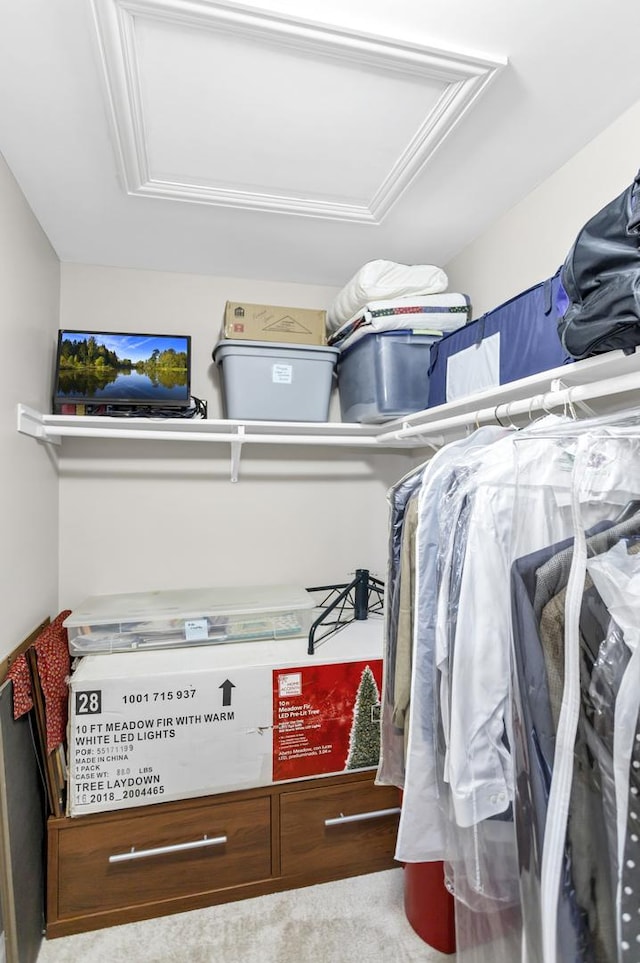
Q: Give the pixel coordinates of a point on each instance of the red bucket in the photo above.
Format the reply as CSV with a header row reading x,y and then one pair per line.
x,y
429,905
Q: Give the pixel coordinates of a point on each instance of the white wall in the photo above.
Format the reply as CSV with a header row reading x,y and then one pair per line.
x,y
532,240
142,515
29,293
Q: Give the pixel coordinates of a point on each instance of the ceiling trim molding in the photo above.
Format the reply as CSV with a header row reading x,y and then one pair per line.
x,y
464,75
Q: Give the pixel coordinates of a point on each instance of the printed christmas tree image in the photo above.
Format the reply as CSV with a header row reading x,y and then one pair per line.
x,y
364,742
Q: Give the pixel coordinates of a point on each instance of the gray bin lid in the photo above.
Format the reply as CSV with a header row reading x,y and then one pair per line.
x,y
261,349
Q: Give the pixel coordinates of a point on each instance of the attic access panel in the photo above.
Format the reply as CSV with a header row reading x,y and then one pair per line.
x,y
231,106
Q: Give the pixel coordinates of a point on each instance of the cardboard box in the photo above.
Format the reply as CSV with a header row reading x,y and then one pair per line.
x,y
268,322
148,727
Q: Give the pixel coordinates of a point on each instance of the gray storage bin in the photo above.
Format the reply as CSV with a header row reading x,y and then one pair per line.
x,y
385,375
270,381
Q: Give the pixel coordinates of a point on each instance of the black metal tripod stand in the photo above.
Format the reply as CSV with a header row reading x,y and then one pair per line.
x,y
351,602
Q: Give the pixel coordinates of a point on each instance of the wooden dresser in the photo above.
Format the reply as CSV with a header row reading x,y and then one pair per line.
x,y
135,864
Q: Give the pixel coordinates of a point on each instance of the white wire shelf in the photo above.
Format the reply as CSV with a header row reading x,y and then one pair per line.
x,y
54,428
610,381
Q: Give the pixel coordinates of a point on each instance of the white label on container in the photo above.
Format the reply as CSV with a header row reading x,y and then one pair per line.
x,y
282,374
474,369
195,630
290,684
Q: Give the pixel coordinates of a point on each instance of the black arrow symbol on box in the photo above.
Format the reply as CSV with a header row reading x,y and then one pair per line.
x,y
226,687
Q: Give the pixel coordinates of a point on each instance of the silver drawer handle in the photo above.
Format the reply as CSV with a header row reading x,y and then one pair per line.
x,y
359,817
162,850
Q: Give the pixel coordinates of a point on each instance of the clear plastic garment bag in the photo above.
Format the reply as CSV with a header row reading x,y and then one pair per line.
x,y
522,763
477,761
398,627
575,693
420,834
458,803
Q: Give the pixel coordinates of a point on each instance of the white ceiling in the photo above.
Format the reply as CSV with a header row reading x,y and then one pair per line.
x,y
296,139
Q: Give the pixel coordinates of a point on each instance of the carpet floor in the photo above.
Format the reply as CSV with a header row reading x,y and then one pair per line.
x,y
358,920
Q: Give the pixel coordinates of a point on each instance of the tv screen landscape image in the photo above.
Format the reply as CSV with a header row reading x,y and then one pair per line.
x,y
114,368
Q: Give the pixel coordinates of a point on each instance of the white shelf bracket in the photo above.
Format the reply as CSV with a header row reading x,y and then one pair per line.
x,y
31,422
570,405
236,448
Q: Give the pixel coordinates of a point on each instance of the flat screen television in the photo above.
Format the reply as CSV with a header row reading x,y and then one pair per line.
x,y
115,370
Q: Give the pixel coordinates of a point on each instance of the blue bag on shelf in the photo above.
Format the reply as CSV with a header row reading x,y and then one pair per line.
x,y
517,339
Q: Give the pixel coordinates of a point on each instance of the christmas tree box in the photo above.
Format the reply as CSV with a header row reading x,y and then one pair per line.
x,y
148,727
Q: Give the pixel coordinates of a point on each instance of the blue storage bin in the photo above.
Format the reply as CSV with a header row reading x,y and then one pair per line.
x,y
384,375
515,340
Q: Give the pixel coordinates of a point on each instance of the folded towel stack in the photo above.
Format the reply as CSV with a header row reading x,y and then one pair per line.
x,y
385,296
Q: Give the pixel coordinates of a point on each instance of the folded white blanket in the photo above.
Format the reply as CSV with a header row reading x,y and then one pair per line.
x,y
383,279
437,313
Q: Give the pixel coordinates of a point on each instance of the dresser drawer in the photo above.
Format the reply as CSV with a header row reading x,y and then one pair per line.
x,y
338,830
162,854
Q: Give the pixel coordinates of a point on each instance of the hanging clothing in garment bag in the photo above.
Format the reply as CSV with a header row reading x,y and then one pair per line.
x,y
496,521
402,596
404,635
420,837
426,833
617,577
585,895
402,499
479,764
576,860
522,770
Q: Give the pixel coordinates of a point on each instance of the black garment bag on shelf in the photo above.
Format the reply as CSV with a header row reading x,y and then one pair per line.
x,y
599,302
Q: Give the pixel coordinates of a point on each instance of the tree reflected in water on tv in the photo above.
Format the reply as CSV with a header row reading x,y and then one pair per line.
x,y
88,369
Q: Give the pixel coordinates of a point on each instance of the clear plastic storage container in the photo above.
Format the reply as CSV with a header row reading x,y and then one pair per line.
x,y
199,616
385,375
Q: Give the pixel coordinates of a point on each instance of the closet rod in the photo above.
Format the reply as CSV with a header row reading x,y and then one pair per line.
x,y
501,413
